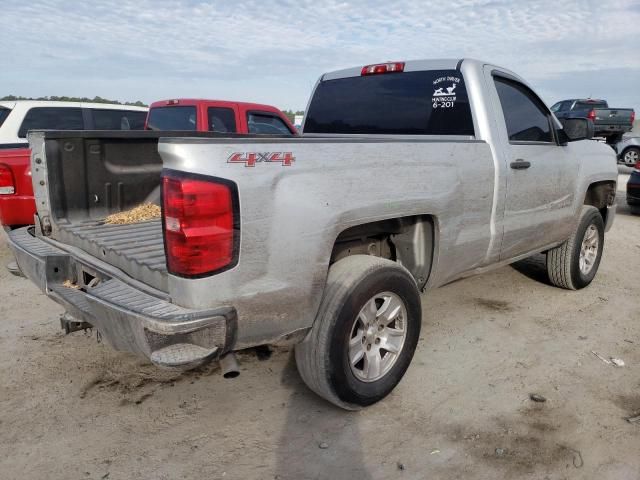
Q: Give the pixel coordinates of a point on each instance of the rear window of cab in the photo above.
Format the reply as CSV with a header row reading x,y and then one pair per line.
x,y
172,118
589,105
432,102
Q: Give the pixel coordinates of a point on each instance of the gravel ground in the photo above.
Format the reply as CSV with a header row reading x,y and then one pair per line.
x,y
71,408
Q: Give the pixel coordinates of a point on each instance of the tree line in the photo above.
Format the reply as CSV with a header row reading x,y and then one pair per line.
x,y
291,114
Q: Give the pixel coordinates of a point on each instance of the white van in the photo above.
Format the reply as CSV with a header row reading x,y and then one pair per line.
x,y
19,116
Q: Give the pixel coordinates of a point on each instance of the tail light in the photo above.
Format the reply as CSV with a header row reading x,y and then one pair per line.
x,y
633,116
201,224
392,67
637,167
591,115
7,183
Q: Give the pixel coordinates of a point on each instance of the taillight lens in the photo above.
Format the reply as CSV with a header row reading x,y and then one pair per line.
x,y
7,183
391,67
201,224
633,116
591,115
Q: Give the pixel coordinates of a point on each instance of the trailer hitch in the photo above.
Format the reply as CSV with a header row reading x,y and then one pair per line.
x,y
70,324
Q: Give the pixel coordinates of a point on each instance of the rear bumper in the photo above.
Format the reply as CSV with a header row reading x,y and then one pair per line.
x,y
129,317
17,210
608,129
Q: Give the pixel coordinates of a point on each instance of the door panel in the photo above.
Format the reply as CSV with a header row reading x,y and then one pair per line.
x,y
539,199
541,175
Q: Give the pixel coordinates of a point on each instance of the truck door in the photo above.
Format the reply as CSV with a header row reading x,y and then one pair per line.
x,y
541,174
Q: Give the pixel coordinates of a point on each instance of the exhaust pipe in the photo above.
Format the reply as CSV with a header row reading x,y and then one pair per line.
x,y
229,365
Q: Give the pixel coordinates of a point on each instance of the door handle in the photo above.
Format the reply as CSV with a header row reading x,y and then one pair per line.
x,y
520,164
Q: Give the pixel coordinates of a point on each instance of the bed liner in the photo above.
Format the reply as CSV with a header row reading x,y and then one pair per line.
x,y
136,249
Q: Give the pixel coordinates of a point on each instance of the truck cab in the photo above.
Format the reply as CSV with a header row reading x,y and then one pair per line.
x,y
199,115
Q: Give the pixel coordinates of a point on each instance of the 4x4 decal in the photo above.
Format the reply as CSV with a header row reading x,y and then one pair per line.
x,y
250,159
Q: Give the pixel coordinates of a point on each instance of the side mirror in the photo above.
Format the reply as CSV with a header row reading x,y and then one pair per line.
x,y
574,129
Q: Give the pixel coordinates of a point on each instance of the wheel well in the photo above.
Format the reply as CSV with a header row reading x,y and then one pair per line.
x,y
601,195
406,240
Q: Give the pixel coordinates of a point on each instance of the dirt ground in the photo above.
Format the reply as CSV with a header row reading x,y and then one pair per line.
x,y
71,408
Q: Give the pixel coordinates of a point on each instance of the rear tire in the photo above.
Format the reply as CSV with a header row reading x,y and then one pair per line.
x,y
574,264
326,359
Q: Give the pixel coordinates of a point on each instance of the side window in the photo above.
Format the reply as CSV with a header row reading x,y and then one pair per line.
x,y
524,114
221,120
265,123
107,119
561,106
51,118
4,113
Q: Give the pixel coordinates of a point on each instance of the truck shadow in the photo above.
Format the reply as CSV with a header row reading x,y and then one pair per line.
x,y
318,440
534,267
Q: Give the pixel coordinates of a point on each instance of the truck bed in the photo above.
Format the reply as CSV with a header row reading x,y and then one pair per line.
x,y
82,177
136,249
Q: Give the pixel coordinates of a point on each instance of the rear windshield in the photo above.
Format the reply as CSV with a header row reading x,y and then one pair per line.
x,y
4,113
433,102
172,118
589,105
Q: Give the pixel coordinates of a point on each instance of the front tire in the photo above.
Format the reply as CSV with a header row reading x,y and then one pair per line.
x,y
365,333
574,264
631,156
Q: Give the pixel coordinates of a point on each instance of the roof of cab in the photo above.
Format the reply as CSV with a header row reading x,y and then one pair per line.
x,y
54,103
199,101
409,66
428,64
419,65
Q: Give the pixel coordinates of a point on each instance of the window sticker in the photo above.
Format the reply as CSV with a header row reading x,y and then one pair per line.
x,y
444,94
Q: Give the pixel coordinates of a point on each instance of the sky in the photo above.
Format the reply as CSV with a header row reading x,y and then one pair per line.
x,y
273,51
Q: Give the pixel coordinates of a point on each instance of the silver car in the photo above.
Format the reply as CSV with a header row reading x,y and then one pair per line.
x,y
628,149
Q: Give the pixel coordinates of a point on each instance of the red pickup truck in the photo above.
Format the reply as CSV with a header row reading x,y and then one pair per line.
x,y
218,116
16,192
17,205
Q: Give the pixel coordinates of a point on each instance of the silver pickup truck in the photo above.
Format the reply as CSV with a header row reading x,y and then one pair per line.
x,y
409,175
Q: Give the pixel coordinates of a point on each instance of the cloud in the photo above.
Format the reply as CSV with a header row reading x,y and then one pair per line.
x,y
273,50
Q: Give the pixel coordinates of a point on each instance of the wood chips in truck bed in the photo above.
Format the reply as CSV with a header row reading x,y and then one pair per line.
x,y
141,213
